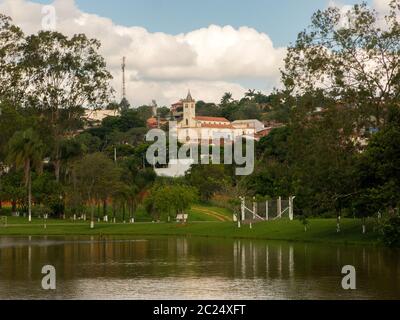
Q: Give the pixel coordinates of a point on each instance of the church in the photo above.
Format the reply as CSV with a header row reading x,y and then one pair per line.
x,y
210,130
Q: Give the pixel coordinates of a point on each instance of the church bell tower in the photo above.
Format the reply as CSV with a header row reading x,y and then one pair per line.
x,y
189,111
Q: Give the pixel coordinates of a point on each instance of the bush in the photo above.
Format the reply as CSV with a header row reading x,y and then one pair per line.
x,y
390,232
305,222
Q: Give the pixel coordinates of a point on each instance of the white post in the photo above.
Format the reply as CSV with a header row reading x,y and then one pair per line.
x,y
243,209
254,208
266,211
291,216
30,198
279,207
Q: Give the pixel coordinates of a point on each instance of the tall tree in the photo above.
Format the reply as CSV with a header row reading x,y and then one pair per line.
x,y
26,151
227,98
353,57
378,171
66,74
97,177
11,42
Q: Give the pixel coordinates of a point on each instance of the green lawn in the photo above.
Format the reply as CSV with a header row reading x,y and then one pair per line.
x,y
320,230
199,213
209,213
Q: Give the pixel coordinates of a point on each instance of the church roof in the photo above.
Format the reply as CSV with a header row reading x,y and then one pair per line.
x,y
212,119
247,121
218,126
189,97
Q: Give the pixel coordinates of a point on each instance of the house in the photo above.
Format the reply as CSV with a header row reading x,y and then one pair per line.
x,y
249,126
95,117
156,122
177,111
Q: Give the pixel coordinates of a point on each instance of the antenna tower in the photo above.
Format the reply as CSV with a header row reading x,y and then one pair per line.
x,y
123,78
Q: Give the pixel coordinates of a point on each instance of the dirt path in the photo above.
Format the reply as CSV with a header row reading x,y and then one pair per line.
x,y
214,214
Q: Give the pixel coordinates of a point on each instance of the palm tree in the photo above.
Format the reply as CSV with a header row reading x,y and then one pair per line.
x,y
25,150
250,94
227,98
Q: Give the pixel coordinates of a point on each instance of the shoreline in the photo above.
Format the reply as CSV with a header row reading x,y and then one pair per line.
x,y
321,231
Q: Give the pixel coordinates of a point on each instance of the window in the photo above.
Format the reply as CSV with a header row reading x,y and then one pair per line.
x,y
187,122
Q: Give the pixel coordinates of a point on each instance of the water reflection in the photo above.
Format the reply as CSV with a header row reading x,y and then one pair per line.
x,y
193,268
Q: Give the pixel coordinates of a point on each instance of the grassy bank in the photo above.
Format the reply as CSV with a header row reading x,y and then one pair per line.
x,y
320,230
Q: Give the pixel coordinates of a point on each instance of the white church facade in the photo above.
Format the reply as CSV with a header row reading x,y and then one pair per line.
x,y
212,130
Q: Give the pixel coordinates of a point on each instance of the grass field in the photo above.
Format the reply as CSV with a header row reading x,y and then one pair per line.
x,y
209,213
198,213
320,230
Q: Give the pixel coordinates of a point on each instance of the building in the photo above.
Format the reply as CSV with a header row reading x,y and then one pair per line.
x,y
95,117
249,126
156,122
211,130
177,111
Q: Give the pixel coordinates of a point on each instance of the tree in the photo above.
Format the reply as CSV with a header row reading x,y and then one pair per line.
x,y
46,192
250,94
96,177
10,122
12,189
227,98
169,200
124,105
26,151
377,171
11,41
321,157
65,75
207,109
207,179
351,58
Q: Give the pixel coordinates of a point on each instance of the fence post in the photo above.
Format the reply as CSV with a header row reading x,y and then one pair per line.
x,y
242,208
254,208
291,208
266,211
279,207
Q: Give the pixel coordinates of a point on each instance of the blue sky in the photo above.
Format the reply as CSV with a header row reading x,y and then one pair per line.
x,y
280,19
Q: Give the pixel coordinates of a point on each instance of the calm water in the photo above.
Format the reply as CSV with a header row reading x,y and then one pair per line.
x,y
195,268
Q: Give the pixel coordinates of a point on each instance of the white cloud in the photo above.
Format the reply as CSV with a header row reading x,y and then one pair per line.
x,y
381,5
209,61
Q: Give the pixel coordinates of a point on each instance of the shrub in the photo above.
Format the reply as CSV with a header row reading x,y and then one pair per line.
x,y
305,222
390,232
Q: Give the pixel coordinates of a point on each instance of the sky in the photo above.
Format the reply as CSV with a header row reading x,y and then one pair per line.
x,y
207,46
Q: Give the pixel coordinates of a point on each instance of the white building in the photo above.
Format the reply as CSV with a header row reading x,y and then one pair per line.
x,y
249,126
198,129
95,117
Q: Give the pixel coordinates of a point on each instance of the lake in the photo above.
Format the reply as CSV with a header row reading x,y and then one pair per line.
x,y
171,268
